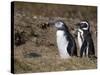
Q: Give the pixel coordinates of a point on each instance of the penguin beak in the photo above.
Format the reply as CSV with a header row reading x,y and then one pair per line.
x,y
51,23
77,25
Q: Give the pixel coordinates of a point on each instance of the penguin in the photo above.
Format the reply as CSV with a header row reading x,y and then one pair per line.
x,y
65,41
85,40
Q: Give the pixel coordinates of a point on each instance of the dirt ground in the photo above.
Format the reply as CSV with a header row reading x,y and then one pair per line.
x,y
35,48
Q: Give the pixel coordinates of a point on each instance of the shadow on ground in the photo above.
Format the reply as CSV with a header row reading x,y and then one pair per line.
x,y
32,55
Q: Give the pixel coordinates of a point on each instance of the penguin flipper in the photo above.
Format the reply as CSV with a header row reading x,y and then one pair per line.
x,y
72,49
69,48
83,48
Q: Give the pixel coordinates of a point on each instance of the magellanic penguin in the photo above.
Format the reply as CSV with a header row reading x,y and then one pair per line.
x,y
65,41
85,39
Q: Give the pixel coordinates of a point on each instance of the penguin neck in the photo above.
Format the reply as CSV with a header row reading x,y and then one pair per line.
x,y
87,33
63,29
60,33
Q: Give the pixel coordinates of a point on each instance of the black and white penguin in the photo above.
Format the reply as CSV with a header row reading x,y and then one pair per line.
x,y
85,41
65,41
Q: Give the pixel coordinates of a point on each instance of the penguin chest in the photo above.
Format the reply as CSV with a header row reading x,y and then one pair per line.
x,y
62,44
80,38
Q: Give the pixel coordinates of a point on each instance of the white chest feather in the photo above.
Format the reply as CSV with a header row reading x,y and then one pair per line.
x,y
62,44
80,37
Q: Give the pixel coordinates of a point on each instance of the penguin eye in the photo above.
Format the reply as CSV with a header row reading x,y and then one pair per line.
x,y
58,24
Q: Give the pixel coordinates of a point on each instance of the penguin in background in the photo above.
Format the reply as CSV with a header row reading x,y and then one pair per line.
x,y
85,41
65,41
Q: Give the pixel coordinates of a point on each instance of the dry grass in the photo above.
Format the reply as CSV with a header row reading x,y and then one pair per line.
x,y
39,52
50,64
29,58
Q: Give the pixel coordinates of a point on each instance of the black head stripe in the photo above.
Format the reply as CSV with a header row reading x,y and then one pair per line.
x,y
84,25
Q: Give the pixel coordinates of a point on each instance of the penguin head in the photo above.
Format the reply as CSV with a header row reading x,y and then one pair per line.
x,y
84,25
60,25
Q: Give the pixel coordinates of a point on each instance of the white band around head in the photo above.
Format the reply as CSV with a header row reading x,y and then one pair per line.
x,y
85,22
85,28
87,25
